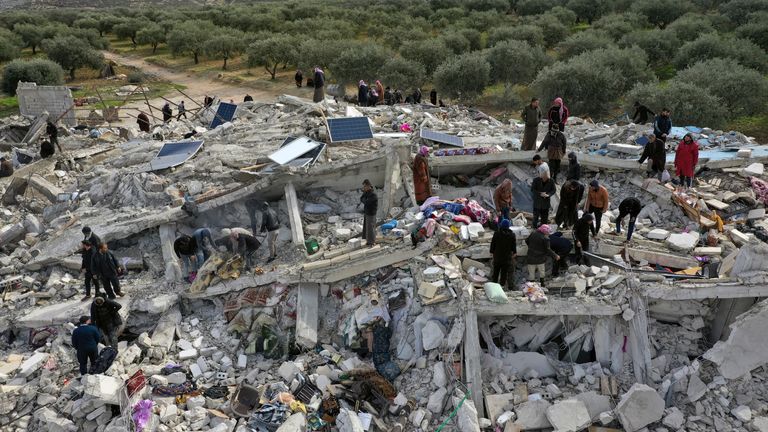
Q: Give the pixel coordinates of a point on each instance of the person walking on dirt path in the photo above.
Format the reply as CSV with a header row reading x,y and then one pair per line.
x,y
105,315
370,206
299,78
531,116
422,183
105,265
86,269
319,83
85,340
167,112
182,111
143,121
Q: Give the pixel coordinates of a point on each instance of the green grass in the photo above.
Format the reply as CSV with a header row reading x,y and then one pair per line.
x,y
9,106
755,126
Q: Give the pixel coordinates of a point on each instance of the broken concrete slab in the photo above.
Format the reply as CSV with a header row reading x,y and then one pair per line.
x,y
533,415
639,407
56,101
165,331
68,311
294,215
595,403
32,364
682,242
103,388
307,306
747,345
569,415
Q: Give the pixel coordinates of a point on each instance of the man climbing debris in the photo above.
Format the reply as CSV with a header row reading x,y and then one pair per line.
x,y
85,340
106,267
86,269
106,316
539,250
629,206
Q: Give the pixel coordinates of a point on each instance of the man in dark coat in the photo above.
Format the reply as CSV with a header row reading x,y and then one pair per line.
x,y
629,206
433,97
319,84
581,232
574,168
105,316
53,134
417,96
248,98
370,206
554,144
571,194
270,225
504,251
85,340
182,110
541,189
562,247
662,125
143,121
91,237
299,77
86,269
531,116
105,266
167,112
656,151
47,149
539,250
6,167
641,113
362,93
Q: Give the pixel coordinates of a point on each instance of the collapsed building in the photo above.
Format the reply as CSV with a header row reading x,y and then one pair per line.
x,y
663,333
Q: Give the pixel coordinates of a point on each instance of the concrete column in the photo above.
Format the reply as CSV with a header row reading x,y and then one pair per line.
x,y
392,184
294,214
472,357
638,338
306,314
727,311
172,267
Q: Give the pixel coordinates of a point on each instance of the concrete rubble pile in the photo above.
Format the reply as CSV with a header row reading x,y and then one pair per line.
x,y
661,333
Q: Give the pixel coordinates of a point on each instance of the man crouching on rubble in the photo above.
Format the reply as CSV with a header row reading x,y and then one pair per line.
x,y
105,315
85,339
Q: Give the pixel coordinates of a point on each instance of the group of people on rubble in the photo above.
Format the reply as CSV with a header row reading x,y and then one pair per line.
x,y
377,94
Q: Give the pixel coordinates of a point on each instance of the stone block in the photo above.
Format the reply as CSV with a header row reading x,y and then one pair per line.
x,y
103,388
176,378
755,169
32,364
569,415
288,370
683,241
639,407
758,213
674,419
187,354
743,413
432,335
437,400
533,415
657,234
595,403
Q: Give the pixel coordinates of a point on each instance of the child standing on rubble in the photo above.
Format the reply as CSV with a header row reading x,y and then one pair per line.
x,y
370,206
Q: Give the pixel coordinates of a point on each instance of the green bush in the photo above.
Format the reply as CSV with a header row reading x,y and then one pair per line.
x,y
690,104
363,62
9,49
744,91
401,73
661,12
136,77
554,31
690,26
660,45
516,62
431,53
532,34
709,46
756,32
586,10
737,10
566,16
533,7
463,77
619,24
40,71
582,42
72,53
456,42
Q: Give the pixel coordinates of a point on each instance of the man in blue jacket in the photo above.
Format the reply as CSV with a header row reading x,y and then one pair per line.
x,y
85,339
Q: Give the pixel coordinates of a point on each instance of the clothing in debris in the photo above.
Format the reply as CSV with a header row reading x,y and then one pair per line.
x,y
531,116
662,125
105,315
6,167
87,269
85,340
370,206
641,114
105,266
574,168
143,121
655,151
542,189
167,112
362,93
562,247
629,206
503,249
571,194
422,183
554,143
47,149
318,83
502,198
299,77
686,158
558,114
433,97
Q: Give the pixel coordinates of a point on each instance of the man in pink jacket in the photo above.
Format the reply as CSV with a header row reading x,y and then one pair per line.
x,y
686,158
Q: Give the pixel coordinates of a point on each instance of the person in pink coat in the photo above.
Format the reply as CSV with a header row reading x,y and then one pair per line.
x,y
686,158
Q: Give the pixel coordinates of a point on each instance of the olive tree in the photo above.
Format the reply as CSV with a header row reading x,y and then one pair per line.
x,y
516,62
72,53
152,35
358,62
40,71
582,42
228,44
463,77
402,73
128,29
743,91
711,45
430,52
190,37
659,45
689,103
272,52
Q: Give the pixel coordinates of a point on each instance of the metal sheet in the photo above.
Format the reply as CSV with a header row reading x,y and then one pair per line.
x,y
173,154
349,129
293,150
441,138
225,113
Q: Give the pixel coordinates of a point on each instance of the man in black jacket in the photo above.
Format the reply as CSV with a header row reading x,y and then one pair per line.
x,y
53,134
630,206
656,150
504,251
85,340
167,112
271,226
562,247
86,269
571,194
91,237
581,232
105,316
105,266
662,125
370,206
542,189
539,250
574,168
641,113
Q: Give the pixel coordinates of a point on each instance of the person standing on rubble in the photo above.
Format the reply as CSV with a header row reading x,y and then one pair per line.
x,y
271,226
106,316
538,250
370,206
53,134
167,112
299,78
105,266
554,143
182,111
655,150
6,167
574,168
207,101
662,125
542,189
248,98
541,166
686,158
319,84
143,121
558,114
581,231
91,237
85,340
86,269
362,93
531,116
47,149
630,206
597,202
504,251
422,183
433,97
380,92
502,199
641,113
562,247
571,194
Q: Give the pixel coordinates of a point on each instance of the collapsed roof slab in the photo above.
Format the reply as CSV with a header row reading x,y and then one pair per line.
x,y
245,281
653,257
705,290
554,306
61,313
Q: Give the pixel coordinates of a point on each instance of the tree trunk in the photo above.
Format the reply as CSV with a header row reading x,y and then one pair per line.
x,y
34,49
72,74
225,63
133,41
154,48
272,71
196,60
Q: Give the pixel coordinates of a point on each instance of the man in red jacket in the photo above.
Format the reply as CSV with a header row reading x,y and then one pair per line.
x,y
686,158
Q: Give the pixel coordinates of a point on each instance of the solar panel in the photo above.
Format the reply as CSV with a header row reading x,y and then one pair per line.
x,y
173,154
225,113
293,150
349,129
441,138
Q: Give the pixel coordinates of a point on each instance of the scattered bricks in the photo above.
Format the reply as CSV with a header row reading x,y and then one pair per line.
x,y
103,388
188,354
